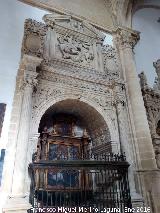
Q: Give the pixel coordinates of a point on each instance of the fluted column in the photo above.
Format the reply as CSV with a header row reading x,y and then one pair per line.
x,y
127,148
28,82
125,40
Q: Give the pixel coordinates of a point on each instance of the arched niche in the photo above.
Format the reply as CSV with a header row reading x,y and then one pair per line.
x,y
83,115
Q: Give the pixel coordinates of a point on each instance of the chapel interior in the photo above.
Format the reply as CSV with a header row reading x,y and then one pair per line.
x,y
80,106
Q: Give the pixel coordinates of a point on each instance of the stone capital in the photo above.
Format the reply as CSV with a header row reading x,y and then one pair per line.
x,y
30,63
126,38
30,79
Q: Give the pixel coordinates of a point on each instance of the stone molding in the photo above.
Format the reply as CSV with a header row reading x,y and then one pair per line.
x,y
126,38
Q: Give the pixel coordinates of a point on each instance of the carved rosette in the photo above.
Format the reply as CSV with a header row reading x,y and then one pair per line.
x,y
126,38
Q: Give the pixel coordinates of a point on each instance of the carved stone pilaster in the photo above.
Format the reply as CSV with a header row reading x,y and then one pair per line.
x,y
28,82
126,38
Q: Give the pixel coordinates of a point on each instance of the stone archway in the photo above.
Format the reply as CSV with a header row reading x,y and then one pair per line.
x,y
79,185
91,119
104,117
89,103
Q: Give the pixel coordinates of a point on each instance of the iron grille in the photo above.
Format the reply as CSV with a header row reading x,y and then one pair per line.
x,y
99,181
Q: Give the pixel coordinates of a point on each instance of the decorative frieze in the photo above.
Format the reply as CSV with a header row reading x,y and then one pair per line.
x,y
52,84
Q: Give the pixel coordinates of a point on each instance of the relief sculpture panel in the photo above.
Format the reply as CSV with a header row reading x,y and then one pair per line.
x,y
72,43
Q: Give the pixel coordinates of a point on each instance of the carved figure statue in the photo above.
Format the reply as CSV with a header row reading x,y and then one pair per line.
x,y
41,146
157,152
155,86
85,134
143,80
67,47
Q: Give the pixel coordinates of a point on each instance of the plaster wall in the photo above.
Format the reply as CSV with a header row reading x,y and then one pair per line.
x,y
95,11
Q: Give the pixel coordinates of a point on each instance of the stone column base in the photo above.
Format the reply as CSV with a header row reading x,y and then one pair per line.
x,y
150,182
16,205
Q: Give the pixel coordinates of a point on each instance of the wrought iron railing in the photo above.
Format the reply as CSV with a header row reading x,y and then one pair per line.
x,y
99,181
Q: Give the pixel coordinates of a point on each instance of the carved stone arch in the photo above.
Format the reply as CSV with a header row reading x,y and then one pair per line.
x,y
46,104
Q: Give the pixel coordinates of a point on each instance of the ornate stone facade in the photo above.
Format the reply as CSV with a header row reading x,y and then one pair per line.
x,y
151,97
65,65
